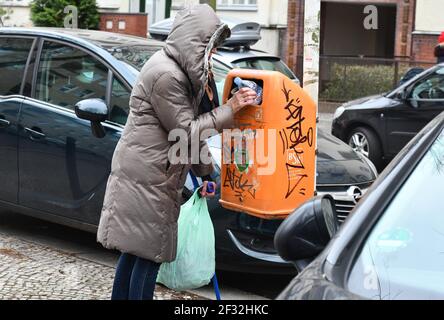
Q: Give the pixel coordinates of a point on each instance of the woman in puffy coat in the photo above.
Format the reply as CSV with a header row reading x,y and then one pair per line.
x,y
144,190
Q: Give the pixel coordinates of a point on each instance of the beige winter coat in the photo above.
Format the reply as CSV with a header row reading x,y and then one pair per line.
x,y
144,190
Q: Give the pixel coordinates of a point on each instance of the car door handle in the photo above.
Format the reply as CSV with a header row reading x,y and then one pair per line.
x,y
35,133
4,123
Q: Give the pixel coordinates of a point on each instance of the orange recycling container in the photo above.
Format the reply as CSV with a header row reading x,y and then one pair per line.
x,y
269,160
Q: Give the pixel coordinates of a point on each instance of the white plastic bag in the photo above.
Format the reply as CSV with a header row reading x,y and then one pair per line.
x,y
195,263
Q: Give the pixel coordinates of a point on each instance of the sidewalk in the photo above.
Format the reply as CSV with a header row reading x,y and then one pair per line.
x,y
32,272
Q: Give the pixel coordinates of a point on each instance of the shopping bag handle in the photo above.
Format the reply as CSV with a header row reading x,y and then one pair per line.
x,y
196,185
196,188
194,179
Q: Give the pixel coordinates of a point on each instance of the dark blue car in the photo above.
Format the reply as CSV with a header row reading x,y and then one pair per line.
x,y
52,167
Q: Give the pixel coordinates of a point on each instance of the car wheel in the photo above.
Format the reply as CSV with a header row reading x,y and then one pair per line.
x,y
365,142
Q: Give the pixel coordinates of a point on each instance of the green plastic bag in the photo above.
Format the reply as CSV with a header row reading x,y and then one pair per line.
x,y
195,263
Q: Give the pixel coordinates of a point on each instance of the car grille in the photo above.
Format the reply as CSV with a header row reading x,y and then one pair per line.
x,y
343,208
345,197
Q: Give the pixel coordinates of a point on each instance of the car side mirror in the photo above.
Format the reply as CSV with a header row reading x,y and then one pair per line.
x,y
402,95
94,110
306,232
414,103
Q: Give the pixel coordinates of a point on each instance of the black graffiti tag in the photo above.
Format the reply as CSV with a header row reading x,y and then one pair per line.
x,y
238,183
292,137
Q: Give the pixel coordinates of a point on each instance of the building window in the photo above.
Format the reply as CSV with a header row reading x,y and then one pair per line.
x,y
142,6
237,4
122,25
109,24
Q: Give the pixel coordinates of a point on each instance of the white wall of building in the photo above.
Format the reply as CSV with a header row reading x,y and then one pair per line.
x,y
113,5
18,13
269,42
155,10
270,14
429,16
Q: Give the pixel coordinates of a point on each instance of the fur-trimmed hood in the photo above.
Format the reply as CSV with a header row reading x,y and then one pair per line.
x,y
196,31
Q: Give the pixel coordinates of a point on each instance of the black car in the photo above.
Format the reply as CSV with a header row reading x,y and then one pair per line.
x,y
391,246
380,126
55,169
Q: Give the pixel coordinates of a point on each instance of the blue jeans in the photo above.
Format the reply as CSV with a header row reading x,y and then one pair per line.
x,y
135,278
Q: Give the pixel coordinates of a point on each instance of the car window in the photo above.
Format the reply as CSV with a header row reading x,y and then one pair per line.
x,y
220,74
430,88
13,56
403,258
119,106
136,56
68,75
270,64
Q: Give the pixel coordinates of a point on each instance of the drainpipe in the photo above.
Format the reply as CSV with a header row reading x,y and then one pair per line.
x,y
312,26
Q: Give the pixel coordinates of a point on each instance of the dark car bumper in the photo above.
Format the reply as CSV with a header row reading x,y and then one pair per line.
x,y
245,243
338,129
235,256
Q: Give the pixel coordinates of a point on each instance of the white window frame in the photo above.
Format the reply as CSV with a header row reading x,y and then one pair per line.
x,y
230,6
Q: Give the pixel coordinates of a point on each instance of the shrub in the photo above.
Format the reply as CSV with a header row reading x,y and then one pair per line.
x,y
348,82
50,13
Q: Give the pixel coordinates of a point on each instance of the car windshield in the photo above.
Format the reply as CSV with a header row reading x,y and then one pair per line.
x,y
408,83
403,258
135,56
270,64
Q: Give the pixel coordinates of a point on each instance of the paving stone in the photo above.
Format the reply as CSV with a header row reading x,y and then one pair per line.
x,y
30,271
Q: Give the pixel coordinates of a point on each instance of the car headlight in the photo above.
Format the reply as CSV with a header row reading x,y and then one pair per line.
x,y
339,111
370,164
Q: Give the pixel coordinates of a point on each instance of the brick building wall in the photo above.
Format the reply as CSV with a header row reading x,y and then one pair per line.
x,y
135,24
294,39
404,28
423,46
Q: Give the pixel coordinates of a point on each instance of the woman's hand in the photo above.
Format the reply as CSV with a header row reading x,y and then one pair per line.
x,y
244,97
206,188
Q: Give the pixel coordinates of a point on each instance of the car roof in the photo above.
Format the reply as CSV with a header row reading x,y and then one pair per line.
x,y
103,39
230,56
99,42
109,40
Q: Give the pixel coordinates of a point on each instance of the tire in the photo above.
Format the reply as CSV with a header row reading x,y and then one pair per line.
x,y
365,141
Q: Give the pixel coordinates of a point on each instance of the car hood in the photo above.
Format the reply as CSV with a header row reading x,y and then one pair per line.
x,y
331,148
371,102
337,163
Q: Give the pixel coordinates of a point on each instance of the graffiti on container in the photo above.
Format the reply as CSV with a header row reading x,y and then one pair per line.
x,y
293,137
239,183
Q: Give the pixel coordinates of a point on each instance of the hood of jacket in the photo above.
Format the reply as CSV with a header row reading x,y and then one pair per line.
x,y
195,32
